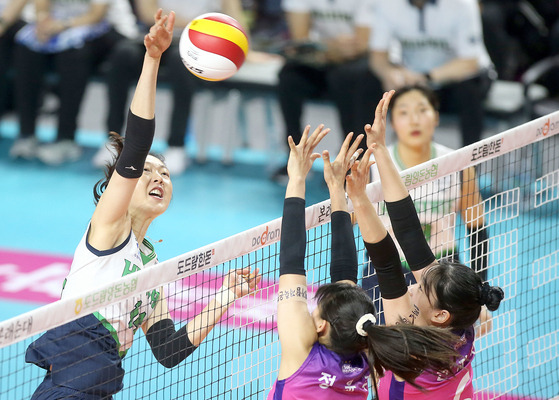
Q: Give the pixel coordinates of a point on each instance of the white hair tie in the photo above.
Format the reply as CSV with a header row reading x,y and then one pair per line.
x,y
359,326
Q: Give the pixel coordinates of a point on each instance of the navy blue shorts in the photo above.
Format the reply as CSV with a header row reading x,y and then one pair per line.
x,y
81,355
48,390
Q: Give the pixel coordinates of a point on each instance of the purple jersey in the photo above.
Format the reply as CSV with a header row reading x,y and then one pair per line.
x,y
325,374
439,385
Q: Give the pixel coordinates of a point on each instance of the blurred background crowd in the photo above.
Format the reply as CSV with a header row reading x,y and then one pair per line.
x,y
344,51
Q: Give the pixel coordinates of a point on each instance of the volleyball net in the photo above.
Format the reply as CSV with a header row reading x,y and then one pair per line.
x,y
512,178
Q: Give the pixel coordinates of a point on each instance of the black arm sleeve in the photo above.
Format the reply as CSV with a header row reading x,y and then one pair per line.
x,y
409,234
386,260
293,237
168,346
479,247
137,143
344,252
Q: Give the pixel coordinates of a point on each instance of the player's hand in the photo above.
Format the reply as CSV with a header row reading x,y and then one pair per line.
x,y
357,181
243,281
335,172
160,34
301,156
376,133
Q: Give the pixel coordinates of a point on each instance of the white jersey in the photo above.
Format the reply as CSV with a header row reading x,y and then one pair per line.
x,y
331,18
424,39
436,203
92,268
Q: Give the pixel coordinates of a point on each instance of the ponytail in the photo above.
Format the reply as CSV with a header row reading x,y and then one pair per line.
x,y
408,350
491,296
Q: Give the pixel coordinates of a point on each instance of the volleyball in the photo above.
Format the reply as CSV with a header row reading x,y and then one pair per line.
x,y
213,46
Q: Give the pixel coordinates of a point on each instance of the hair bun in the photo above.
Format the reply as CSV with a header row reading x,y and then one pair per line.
x,y
491,296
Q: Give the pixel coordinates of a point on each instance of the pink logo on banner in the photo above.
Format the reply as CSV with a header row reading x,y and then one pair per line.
x,y
26,276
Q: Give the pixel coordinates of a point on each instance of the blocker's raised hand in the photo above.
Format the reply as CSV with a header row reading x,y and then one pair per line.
x,y
376,133
302,156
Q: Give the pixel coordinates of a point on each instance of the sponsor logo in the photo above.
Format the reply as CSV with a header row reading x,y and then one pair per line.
x,y
266,237
422,175
16,329
545,129
195,262
485,150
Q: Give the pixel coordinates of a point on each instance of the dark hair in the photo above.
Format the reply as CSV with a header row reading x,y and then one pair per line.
x,y
460,291
117,143
404,349
428,93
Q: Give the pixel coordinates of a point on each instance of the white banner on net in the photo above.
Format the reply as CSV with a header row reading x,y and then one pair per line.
x,y
55,314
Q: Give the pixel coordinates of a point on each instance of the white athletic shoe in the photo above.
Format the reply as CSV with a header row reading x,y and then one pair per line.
x,y
104,155
59,152
176,159
25,148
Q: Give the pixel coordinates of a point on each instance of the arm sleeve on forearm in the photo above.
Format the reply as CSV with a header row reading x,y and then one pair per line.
x,y
137,143
386,261
409,234
344,252
168,346
479,247
293,237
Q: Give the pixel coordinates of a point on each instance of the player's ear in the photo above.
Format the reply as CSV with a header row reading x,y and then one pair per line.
x,y
440,318
322,327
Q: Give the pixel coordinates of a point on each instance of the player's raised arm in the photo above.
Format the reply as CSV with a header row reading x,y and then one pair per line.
x,y
398,305
296,329
343,264
399,204
111,222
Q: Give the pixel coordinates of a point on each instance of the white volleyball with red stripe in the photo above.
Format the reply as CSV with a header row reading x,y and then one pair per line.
x,y
213,46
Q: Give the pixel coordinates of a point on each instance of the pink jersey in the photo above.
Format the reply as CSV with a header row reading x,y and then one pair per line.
x,y
325,375
440,385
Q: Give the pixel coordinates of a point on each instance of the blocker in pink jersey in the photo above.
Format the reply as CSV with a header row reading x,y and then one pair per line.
x,y
213,46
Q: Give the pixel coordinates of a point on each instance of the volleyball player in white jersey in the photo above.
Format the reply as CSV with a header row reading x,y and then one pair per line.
x,y
82,359
435,42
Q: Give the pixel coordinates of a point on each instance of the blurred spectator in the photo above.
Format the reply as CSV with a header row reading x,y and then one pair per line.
x,y
439,43
268,25
519,33
70,37
10,22
327,56
125,63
